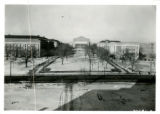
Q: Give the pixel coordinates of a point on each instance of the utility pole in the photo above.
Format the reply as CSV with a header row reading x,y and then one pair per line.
x,y
10,70
11,59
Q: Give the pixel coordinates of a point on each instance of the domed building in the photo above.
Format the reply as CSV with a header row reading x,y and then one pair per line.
x,y
79,44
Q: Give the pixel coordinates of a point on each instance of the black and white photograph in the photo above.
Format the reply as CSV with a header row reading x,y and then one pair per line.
x,y
79,57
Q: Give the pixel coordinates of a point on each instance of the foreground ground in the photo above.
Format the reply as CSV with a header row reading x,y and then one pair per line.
x,y
76,96
139,97
80,96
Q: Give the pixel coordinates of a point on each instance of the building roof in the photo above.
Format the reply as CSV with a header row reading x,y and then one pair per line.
x,y
25,36
118,42
103,41
28,37
81,38
52,40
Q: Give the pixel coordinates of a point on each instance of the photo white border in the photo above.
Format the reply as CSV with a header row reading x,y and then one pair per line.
x,y
79,2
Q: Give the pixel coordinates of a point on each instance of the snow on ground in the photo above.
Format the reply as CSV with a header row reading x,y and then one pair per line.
x,y
143,66
50,96
18,66
79,63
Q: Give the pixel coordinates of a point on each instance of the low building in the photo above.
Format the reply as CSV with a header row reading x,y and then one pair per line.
x,y
21,45
119,48
79,44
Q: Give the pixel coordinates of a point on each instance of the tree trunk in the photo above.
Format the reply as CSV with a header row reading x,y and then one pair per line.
x,y
98,65
62,60
150,66
106,64
26,61
132,67
90,66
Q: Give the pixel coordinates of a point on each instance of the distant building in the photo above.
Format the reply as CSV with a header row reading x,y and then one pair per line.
x,y
21,45
119,48
148,49
79,44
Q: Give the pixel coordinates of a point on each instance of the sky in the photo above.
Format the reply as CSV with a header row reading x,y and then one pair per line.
x,y
96,22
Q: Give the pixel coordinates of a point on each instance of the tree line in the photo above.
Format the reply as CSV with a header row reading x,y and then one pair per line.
x,y
105,56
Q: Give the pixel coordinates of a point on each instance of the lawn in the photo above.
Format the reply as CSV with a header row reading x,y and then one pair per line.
x,y
18,66
143,66
79,64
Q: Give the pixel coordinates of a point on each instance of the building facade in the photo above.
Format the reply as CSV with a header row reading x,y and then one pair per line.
x,y
80,44
21,45
119,48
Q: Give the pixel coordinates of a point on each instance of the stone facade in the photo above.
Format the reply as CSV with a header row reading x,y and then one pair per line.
x,y
119,48
79,44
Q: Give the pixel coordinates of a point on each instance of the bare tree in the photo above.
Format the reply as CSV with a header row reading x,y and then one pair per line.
x,y
7,51
27,55
152,56
64,50
28,52
103,55
141,54
89,53
128,56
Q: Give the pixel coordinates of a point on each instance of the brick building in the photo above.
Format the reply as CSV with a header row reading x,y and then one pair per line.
x,y
21,45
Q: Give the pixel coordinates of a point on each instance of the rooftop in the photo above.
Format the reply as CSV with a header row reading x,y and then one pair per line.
x,y
81,38
29,36
25,36
103,41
